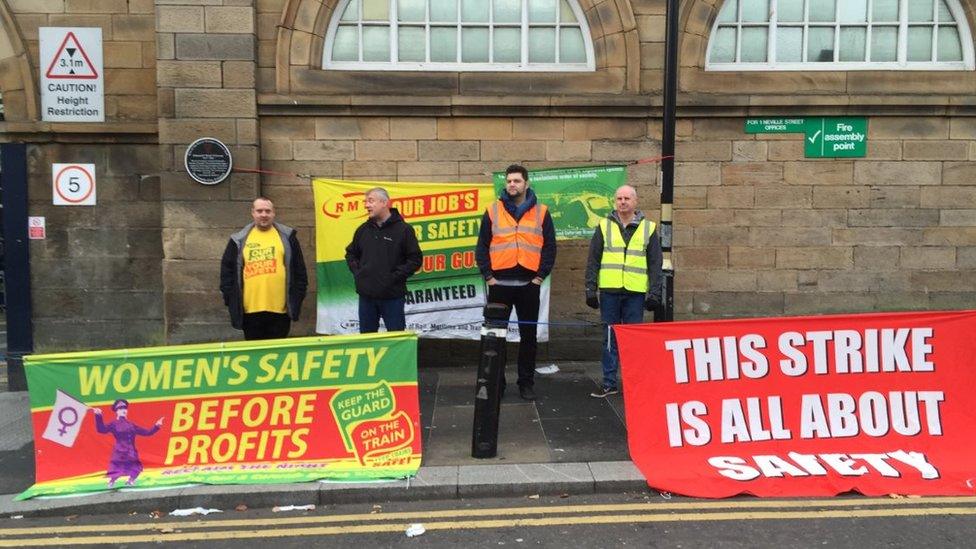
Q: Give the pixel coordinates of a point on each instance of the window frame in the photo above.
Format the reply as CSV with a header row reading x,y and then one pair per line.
x,y
458,66
902,63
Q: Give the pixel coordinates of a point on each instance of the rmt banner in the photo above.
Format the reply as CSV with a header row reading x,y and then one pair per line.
x,y
810,406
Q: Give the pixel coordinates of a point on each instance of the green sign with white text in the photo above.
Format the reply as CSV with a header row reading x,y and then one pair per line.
x,y
824,137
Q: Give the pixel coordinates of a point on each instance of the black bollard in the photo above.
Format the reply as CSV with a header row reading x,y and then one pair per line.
x,y
491,371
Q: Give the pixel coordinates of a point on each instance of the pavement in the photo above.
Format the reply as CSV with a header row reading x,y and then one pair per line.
x,y
563,443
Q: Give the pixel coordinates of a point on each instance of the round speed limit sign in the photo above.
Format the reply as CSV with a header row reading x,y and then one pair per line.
x,y
74,184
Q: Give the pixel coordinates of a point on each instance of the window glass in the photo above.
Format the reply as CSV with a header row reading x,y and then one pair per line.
x,y
945,14
443,10
755,11
352,11
508,45
443,44
411,44
884,44
376,10
346,46
789,44
542,45
376,43
853,41
474,45
920,10
411,10
508,11
754,44
920,43
820,44
455,35
730,12
723,45
950,47
822,10
566,14
542,11
474,11
853,11
789,10
572,48
884,11
862,34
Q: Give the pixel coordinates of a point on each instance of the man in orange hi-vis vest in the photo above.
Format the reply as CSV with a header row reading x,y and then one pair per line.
x,y
515,253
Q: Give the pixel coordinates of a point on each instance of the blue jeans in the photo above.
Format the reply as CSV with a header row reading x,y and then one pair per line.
x,y
390,310
617,309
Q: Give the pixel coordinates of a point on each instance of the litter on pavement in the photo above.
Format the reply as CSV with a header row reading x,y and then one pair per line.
x,y
415,530
193,511
281,508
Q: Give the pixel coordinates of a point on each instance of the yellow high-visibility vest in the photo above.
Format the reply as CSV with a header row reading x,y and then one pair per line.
x,y
625,266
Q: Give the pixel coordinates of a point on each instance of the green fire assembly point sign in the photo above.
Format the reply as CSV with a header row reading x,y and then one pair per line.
x,y
824,137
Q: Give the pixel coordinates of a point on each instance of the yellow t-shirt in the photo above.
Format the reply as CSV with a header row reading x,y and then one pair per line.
x,y
264,272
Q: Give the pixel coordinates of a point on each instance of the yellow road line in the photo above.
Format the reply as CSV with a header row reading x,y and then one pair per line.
x,y
487,524
505,511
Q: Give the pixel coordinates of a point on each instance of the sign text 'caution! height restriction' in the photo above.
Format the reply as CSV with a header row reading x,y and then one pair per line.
x,y
72,86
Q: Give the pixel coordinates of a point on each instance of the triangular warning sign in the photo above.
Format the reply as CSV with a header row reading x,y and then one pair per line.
x,y
71,61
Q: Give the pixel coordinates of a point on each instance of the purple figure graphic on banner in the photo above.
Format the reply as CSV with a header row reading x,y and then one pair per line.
x,y
125,460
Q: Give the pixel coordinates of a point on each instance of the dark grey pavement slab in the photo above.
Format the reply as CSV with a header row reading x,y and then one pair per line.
x,y
520,436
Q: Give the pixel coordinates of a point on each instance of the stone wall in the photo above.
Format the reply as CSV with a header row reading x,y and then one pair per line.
x,y
759,230
206,74
129,49
95,279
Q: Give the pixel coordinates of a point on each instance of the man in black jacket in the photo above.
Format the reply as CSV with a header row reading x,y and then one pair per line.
x,y
262,275
384,252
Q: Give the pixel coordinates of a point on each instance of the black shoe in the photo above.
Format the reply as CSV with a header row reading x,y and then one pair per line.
x,y
526,392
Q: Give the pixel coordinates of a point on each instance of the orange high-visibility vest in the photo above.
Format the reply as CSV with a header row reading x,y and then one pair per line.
x,y
516,242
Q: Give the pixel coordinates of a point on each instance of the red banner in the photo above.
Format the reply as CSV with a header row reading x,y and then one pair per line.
x,y
810,406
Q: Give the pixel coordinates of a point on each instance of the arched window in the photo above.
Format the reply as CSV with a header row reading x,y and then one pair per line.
x,y
840,35
459,35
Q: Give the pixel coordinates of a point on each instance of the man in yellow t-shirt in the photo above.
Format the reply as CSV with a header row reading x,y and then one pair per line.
x,y
262,275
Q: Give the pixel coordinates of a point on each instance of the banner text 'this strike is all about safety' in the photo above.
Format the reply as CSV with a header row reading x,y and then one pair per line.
x,y
834,415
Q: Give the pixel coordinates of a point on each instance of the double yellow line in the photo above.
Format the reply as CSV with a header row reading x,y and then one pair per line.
x,y
470,519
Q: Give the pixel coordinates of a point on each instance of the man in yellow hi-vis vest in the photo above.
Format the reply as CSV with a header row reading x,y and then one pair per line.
x,y
623,275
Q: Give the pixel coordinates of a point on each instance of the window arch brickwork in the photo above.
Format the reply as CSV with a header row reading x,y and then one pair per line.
x,y
304,24
17,81
696,23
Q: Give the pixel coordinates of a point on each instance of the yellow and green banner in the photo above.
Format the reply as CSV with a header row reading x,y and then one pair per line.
x,y
578,198
288,410
445,297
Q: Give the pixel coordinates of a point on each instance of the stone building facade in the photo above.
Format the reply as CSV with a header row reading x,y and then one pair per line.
x,y
760,230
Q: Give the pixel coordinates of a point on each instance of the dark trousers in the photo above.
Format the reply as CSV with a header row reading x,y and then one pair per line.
x,y
390,310
624,308
525,299
265,325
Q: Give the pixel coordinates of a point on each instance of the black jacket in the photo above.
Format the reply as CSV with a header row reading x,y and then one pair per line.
x,y
232,269
653,251
518,272
382,257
